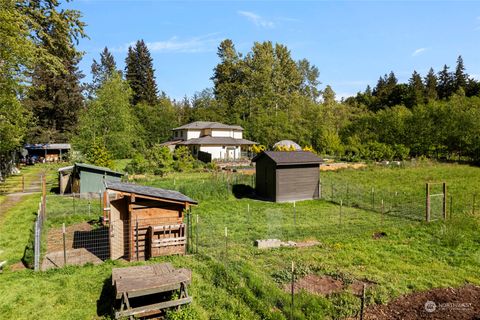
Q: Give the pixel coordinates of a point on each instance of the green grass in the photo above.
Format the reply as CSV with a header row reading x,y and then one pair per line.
x,y
245,283
15,228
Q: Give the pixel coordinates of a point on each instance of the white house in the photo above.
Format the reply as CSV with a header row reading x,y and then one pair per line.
x,y
211,140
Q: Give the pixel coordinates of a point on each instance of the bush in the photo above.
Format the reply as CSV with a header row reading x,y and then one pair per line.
x,y
98,155
138,165
160,160
183,159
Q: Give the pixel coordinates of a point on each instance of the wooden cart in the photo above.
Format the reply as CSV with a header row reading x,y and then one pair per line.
x,y
152,283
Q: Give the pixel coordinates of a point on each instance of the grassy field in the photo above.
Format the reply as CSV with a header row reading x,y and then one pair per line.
x,y
234,280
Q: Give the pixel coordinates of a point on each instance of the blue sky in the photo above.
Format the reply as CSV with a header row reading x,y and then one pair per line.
x,y
352,43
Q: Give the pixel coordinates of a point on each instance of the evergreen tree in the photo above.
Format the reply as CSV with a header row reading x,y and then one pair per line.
x,y
446,83
328,95
461,77
431,86
139,73
102,70
228,80
416,90
55,97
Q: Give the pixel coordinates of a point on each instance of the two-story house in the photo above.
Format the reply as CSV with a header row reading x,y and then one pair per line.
x,y
212,140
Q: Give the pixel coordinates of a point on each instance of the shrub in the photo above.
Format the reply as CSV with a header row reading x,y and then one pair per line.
x,y
98,155
183,159
138,165
160,159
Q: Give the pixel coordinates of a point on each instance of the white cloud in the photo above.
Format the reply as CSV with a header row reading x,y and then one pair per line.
x,y
418,52
475,76
257,20
203,43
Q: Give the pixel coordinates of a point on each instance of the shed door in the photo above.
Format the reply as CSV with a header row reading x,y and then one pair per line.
x,y
118,229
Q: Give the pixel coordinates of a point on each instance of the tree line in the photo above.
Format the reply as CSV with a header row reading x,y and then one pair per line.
x,y
122,113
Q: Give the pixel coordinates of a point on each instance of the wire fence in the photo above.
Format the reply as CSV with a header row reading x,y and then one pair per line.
x,y
72,229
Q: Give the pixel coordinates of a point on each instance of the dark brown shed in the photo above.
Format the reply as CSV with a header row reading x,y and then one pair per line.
x,y
287,175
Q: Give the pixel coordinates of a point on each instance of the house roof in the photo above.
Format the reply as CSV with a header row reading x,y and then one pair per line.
x,y
48,146
148,191
199,125
208,140
290,157
64,169
97,168
170,143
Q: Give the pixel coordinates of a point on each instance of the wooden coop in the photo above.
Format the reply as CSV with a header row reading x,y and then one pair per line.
x,y
287,175
145,222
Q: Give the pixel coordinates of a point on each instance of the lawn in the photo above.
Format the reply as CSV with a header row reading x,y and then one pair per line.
x,y
234,280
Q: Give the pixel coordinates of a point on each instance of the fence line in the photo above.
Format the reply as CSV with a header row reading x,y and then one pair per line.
x,y
70,229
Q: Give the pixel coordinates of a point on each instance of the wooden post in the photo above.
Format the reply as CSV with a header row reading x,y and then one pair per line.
x,y
23,184
73,201
64,246
44,194
427,209
292,290
136,235
444,201
451,207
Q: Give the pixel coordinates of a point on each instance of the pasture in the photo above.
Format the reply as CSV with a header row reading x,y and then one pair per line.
x,y
234,280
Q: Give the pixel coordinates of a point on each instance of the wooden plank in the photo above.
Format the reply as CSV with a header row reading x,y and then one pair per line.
x,y
136,287
164,227
156,306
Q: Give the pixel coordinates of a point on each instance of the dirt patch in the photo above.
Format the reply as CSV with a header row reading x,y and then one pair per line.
x,y
17,266
379,235
341,165
356,287
315,284
442,303
308,243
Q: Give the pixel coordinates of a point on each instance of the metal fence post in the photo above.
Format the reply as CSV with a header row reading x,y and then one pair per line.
x,y
64,246
292,291
444,201
196,235
36,246
427,209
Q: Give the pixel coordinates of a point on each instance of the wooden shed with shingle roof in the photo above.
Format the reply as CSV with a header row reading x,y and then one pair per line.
x,y
145,222
283,176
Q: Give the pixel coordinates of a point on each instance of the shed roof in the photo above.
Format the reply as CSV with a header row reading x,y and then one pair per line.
x,y
290,157
97,168
64,169
199,125
148,191
48,146
208,140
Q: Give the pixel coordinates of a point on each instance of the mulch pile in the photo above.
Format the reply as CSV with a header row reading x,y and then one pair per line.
x,y
442,303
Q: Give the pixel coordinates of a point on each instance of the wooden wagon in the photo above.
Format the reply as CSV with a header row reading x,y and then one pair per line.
x,y
145,222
